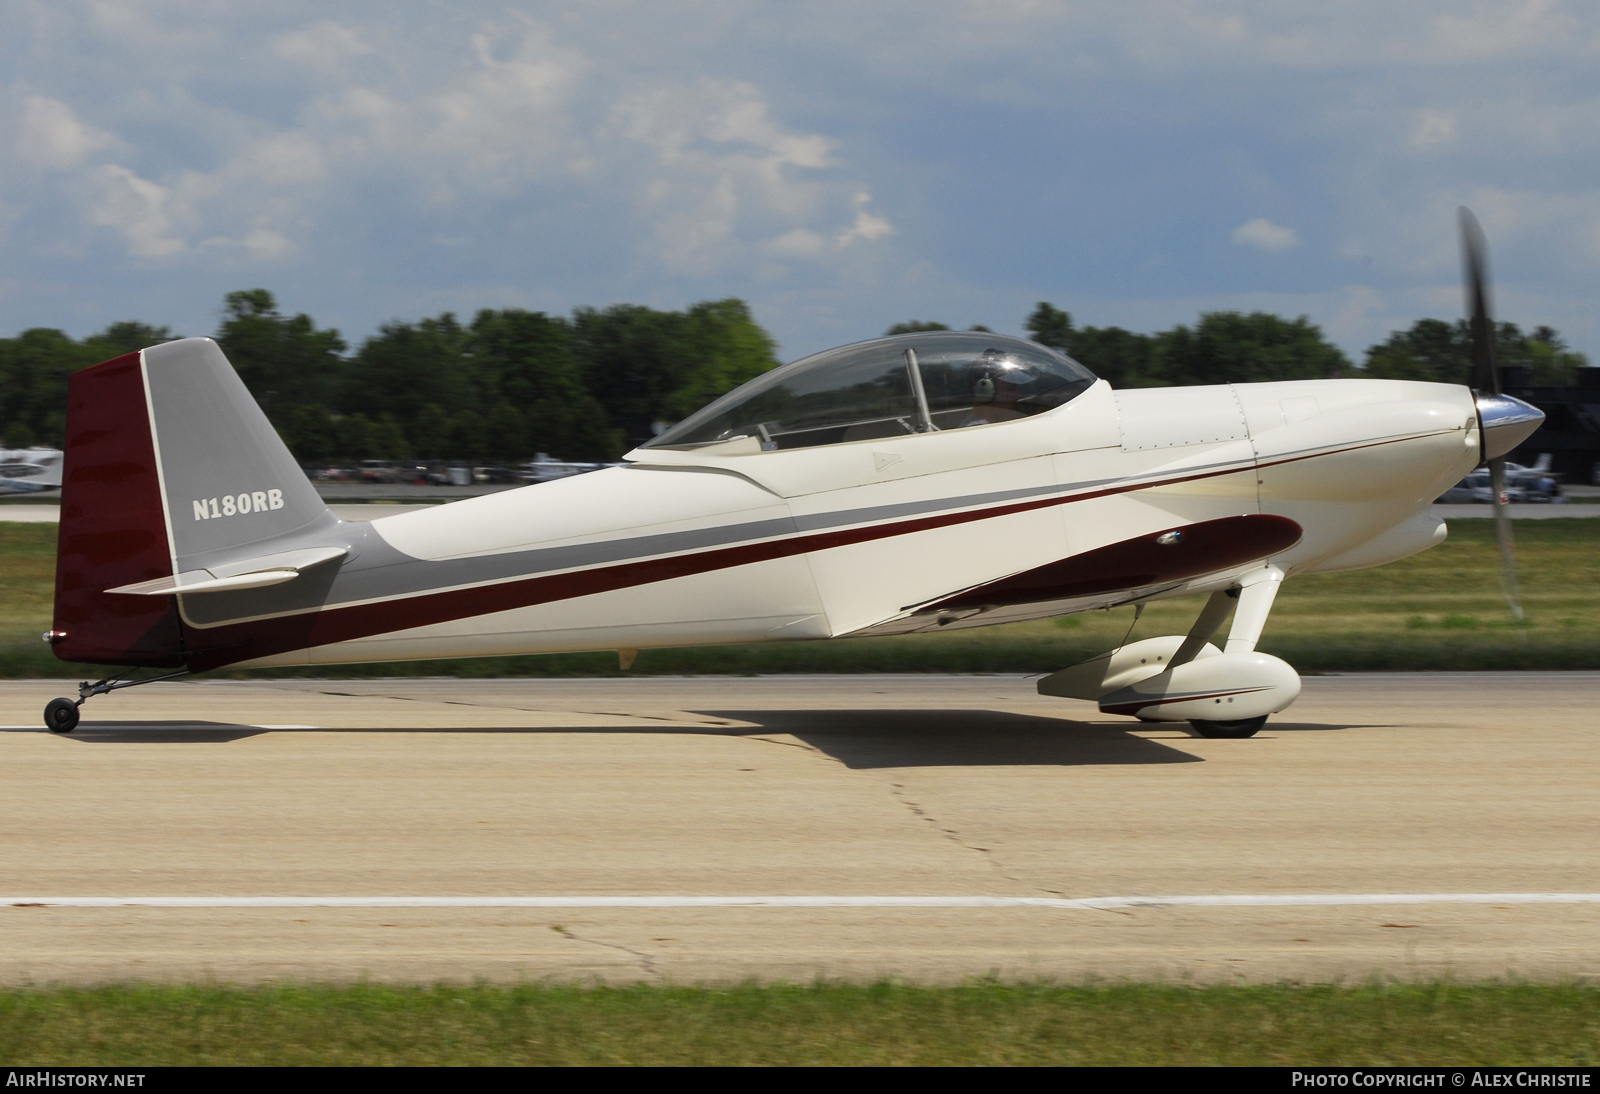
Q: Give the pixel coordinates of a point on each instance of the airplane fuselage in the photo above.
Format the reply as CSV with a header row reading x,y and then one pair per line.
x,y
693,548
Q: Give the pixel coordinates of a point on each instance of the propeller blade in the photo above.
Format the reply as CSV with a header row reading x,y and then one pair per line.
x,y
1486,379
1475,282
1502,532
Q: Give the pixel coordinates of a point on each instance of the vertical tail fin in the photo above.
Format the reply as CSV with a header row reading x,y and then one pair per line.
x,y
170,467
112,529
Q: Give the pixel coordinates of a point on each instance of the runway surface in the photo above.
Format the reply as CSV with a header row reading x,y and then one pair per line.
x,y
713,829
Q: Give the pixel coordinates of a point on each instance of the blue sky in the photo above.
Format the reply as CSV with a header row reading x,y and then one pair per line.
x,y
841,166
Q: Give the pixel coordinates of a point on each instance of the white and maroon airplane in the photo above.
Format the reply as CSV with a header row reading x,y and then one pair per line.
x,y
925,481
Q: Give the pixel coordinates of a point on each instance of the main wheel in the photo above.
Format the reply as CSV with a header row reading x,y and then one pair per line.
x,y
1244,727
61,716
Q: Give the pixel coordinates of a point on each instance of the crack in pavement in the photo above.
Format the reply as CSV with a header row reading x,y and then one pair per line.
x,y
899,792
646,962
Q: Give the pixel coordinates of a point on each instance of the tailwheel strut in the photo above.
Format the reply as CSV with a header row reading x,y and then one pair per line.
x,y
61,715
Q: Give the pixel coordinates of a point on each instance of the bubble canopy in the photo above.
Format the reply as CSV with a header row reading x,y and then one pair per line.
x,y
888,387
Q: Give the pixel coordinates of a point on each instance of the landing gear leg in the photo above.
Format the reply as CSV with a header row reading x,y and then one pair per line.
x,y
61,715
1257,590
1211,617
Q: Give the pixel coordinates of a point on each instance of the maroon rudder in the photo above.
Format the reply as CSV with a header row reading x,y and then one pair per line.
x,y
113,527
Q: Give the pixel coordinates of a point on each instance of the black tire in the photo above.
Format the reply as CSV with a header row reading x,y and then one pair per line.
x,y
61,716
1233,731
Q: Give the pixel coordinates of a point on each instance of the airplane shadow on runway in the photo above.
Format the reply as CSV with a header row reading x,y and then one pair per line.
x,y
958,738
856,738
158,733
871,738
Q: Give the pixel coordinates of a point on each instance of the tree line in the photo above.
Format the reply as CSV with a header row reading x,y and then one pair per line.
x,y
500,388
1231,347
589,386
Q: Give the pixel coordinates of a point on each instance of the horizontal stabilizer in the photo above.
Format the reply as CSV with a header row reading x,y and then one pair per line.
x,y
204,581
247,573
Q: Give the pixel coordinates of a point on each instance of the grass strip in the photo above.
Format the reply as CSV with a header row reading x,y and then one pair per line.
x,y
1440,1023
1442,609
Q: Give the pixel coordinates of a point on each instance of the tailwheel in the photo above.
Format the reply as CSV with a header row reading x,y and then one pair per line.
x,y
61,716
1244,727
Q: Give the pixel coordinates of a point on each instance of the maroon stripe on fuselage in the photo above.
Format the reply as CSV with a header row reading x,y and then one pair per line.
x,y
1136,706
243,641
214,647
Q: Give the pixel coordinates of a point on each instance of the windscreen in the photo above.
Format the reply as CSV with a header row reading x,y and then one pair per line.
x,y
869,391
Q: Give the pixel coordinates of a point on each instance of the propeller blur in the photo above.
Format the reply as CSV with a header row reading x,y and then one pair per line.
x,y
1501,415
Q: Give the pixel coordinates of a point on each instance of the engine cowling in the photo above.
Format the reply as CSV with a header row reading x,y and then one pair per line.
x,y
1225,687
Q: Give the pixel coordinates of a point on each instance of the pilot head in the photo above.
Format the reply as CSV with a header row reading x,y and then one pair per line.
x,y
998,378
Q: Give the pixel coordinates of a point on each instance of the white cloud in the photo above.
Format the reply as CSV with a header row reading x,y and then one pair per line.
x,y
138,209
324,45
276,160
493,122
799,243
866,225
723,170
1264,235
52,136
169,222
1181,34
506,114
1434,127
503,112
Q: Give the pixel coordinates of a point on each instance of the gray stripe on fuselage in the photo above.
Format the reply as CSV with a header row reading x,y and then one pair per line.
x,y
872,514
374,570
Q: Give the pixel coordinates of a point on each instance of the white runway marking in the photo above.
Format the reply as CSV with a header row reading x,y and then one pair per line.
x,y
1268,900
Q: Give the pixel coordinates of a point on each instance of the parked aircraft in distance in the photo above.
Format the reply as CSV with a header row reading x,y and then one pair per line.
x,y
936,480
545,468
29,470
1523,484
